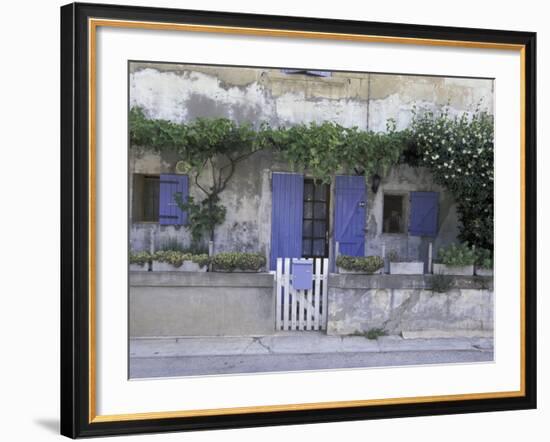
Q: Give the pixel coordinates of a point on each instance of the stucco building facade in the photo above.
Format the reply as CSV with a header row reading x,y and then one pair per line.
x,y
382,220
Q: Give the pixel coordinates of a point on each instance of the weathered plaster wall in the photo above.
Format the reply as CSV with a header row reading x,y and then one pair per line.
x,y
400,181
200,304
358,303
183,93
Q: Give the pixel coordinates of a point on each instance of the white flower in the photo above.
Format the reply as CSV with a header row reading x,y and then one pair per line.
x,y
459,170
446,176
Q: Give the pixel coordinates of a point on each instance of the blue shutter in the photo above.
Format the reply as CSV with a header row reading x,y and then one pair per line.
x,y
169,212
424,213
350,214
307,72
286,216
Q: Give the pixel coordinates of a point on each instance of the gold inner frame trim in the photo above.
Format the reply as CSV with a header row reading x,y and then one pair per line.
x,y
92,28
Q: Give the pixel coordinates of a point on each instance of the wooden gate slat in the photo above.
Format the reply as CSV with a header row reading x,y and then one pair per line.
x,y
286,299
279,295
324,304
317,289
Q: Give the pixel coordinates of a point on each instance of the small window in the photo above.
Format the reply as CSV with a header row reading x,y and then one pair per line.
x,y
394,219
313,73
145,202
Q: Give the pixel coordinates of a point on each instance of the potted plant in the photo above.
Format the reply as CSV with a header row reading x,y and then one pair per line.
x,y
456,259
401,266
177,261
484,262
238,262
139,261
360,264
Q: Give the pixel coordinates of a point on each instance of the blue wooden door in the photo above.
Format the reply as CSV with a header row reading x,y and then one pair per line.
x,y
350,214
286,216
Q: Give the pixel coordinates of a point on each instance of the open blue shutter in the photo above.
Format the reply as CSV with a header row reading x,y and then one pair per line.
x,y
424,213
350,214
169,212
286,216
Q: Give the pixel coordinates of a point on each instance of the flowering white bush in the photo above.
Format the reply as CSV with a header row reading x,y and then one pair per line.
x,y
459,153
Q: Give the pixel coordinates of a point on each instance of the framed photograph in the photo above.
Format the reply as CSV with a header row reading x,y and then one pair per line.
x,y
273,220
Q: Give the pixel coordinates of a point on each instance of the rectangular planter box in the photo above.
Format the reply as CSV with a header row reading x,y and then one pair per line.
x,y
484,272
407,268
357,272
442,269
237,271
139,268
187,266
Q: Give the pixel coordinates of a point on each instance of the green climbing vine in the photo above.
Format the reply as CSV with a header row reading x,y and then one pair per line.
x,y
457,150
327,148
459,153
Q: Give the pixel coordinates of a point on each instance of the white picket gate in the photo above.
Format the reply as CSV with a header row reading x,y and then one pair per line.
x,y
301,309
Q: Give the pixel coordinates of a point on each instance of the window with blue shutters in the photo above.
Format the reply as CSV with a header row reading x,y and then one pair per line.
x,y
424,213
169,211
307,72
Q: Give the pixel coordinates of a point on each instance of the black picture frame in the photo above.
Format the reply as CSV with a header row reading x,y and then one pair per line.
x,y
76,402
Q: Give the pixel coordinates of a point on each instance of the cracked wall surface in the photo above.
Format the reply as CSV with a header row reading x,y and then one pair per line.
x,y
457,312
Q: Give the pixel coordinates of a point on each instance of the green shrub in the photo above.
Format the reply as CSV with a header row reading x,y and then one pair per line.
x,y
457,255
176,258
375,333
140,258
441,283
229,262
484,259
365,264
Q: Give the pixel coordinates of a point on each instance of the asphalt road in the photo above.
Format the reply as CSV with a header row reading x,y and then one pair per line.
x,y
175,366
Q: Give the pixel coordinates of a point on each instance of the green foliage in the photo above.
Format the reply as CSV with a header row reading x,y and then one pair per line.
x,y
196,142
459,153
457,255
457,150
139,258
326,148
202,217
365,264
375,333
371,333
216,144
176,257
484,258
441,283
229,262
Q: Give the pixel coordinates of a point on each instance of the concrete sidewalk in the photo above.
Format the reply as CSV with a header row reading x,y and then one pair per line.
x,y
295,351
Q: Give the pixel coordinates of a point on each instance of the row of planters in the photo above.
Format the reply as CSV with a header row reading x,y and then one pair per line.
x,y
456,259
176,261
